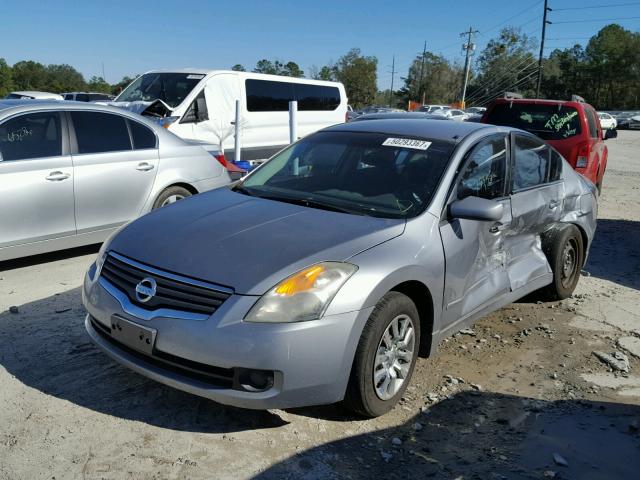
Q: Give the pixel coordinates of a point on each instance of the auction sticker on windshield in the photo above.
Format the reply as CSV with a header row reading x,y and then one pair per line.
x,y
406,143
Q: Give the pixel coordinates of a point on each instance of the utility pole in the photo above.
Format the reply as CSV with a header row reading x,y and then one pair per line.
x,y
544,31
424,54
393,74
103,72
469,47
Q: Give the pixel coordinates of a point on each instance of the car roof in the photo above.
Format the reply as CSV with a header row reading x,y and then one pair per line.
x,y
448,131
540,101
400,115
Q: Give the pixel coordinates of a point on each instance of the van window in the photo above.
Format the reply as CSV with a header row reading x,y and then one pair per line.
x,y
171,88
34,135
82,97
98,132
273,96
547,121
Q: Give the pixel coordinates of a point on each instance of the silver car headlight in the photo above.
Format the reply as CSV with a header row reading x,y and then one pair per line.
x,y
102,253
302,296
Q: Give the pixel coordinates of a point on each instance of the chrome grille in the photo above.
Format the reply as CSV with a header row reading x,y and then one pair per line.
x,y
173,291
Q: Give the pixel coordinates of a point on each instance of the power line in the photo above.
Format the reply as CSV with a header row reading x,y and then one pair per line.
x,y
501,76
598,6
501,81
511,87
511,17
595,20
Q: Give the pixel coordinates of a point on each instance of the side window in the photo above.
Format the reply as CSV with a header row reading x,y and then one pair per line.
x,y
591,120
142,136
197,111
68,96
268,96
555,167
309,97
98,132
33,135
531,162
484,173
82,97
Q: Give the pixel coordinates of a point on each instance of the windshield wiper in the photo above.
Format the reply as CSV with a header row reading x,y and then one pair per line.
x,y
311,203
240,189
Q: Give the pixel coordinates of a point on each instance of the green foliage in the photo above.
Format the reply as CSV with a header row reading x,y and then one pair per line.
x,y
359,76
117,88
6,78
238,68
440,81
289,69
98,84
507,63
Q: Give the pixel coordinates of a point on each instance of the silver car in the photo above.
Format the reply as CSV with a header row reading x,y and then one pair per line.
x,y
71,173
326,272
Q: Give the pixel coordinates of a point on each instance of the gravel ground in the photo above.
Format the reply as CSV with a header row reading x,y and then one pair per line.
x,y
522,395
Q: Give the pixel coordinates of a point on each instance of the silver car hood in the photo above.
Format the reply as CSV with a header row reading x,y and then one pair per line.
x,y
138,106
247,243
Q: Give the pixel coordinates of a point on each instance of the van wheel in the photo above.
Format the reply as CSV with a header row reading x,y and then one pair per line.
x,y
386,356
171,195
565,253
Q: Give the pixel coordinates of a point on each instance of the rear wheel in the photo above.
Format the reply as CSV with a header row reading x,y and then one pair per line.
x,y
386,356
564,249
171,195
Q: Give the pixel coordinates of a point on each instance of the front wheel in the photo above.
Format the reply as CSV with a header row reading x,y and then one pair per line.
x,y
386,356
564,249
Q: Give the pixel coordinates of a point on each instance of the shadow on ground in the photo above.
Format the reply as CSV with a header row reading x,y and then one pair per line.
x,y
478,435
52,353
48,257
615,252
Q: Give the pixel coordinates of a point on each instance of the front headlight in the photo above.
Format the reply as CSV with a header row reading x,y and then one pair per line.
x,y
303,296
102,253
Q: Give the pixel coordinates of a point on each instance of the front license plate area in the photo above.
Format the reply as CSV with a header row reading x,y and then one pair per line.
x,y
133,335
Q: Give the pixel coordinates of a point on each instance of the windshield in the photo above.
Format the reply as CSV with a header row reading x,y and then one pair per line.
x,y
549,122
171,88
359,173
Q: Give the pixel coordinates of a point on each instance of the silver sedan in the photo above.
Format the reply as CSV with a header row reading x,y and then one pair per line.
x,y
72,173
326,272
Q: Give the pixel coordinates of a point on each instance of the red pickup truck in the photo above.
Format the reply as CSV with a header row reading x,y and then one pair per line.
x,y
571,127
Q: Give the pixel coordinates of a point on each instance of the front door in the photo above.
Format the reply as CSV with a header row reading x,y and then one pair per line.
x,y
113,180
36,180
474,250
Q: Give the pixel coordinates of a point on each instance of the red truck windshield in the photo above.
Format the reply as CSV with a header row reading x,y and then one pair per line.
x,y
547,121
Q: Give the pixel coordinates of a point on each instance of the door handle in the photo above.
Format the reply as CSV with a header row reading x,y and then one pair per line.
x,y
144,166
496,227
553,204
57,176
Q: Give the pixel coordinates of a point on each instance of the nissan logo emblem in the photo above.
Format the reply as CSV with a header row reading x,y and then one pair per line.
x,y
146,289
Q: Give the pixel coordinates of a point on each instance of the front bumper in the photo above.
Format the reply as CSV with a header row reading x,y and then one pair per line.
x,y
311,360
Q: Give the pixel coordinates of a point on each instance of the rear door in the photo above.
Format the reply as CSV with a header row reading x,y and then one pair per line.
x,y
36,179
115,161
536,203
474,250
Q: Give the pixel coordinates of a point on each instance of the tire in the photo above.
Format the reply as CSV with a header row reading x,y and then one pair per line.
x,y
362,395
171,195
564,249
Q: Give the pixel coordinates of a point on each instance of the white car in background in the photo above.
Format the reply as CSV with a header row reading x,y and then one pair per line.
x,y
456,115
607,121
33,95
71,173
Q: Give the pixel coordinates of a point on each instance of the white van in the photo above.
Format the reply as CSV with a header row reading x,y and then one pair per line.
x,y
200,105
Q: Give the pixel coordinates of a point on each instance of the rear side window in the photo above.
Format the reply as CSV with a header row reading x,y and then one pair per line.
x,y
531,162
142,136
82,97
273,96
68,96
591,121
33,135
547,121
98,132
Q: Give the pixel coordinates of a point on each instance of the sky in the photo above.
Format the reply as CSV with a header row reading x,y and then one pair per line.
x,y
133,36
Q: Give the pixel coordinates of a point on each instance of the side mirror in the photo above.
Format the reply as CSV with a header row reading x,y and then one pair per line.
x,y
610,133
476,208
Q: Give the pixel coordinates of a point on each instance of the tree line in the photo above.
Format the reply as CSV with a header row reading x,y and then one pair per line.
x,y
606,72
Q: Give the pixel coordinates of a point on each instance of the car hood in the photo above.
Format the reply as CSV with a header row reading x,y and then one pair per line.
x,y
247,243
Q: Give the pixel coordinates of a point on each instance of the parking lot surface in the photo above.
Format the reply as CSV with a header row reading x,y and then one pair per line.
x,y
535,390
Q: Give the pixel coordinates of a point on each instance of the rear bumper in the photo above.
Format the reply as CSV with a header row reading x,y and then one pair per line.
x,y
311,361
